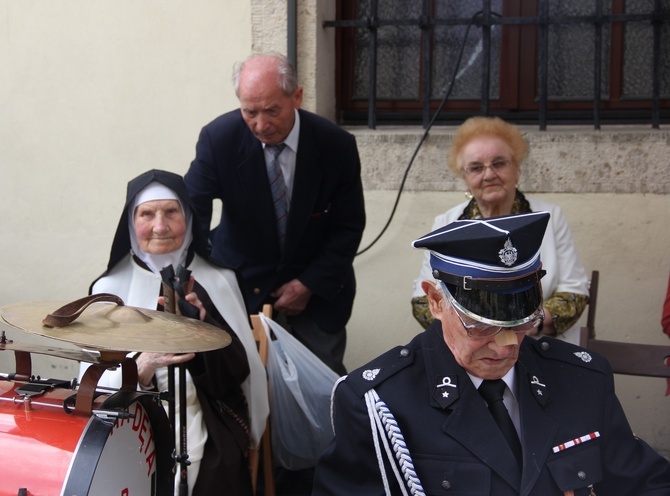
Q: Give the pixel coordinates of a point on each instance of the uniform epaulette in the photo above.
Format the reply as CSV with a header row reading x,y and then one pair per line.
x,y
556,349
378,370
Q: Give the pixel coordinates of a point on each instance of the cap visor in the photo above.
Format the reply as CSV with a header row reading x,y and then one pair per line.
x,y
496,308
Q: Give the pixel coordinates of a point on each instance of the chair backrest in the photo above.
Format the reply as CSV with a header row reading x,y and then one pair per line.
x,y
625,358
259,332
265,447
593,300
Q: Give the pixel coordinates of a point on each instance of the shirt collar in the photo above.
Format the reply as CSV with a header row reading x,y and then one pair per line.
x,y
509,378
292,138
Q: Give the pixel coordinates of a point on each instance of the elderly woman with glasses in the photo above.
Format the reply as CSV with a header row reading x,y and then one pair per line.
x,y
487,154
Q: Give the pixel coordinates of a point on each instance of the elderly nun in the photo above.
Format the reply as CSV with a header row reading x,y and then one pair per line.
x,y
226,389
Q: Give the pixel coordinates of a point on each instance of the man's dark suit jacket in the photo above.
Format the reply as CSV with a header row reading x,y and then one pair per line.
x,y
326,217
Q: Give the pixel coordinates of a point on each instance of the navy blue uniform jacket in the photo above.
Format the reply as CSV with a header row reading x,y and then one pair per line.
x,y
457,448
326,217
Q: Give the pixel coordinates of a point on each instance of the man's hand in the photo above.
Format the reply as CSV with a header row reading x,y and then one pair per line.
x,y
292,298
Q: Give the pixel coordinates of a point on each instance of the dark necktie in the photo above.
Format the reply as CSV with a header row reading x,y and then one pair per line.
x,y
278,187
492,392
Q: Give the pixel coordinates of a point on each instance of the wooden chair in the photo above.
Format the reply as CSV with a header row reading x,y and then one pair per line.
x,y
265,448
625,358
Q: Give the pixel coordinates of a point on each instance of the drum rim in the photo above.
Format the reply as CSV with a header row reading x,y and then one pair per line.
x,y
96,433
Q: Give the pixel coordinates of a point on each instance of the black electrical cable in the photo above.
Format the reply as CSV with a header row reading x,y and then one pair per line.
x,y
424,136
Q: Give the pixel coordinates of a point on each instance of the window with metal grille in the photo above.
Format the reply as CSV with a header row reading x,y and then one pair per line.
x,y
535,61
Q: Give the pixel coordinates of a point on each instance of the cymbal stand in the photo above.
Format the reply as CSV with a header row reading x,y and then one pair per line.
x,y
174,287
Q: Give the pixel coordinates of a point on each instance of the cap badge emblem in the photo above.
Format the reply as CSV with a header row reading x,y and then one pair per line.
x,y
508,254
370,374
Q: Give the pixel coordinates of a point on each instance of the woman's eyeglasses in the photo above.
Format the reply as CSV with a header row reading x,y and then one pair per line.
x,y
477,169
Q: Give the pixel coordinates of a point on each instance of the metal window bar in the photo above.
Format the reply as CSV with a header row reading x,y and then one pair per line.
x,y
485,21
373,27
657,22
427,59
486,46
544,64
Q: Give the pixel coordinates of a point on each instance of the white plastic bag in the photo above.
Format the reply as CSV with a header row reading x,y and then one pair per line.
x,y
300,389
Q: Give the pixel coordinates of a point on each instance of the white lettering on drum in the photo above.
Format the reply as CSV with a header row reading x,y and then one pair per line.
x,y
145,436
141,426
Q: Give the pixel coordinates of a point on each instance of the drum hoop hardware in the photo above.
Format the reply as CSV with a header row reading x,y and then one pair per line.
x,y
112,415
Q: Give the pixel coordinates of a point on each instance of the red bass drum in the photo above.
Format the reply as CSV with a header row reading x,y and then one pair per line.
x,y
124,448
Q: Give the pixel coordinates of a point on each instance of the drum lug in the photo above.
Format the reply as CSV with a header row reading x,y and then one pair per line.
x,y
112,415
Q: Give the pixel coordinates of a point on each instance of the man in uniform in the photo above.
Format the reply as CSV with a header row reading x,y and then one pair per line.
x,y
472,406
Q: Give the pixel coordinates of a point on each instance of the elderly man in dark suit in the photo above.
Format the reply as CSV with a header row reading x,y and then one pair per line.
x,y
474,406
293,213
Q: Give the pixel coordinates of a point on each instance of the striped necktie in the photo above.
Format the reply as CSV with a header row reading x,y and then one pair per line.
x,y
278,188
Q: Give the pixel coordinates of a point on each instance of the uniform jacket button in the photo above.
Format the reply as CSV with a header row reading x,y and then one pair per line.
x,y
257,291
582,475
446,485
404,352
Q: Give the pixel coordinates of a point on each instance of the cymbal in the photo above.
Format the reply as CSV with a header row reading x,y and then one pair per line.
x,y
104,326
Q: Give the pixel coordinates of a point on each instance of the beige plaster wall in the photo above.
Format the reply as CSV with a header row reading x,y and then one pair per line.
x,y
93,93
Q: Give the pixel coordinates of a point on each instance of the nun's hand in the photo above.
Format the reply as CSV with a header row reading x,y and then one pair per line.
x,y
147,363
191,297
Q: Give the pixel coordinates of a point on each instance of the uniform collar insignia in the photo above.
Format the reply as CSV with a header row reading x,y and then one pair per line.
x,y
370,374
583,355
539,390
446,390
